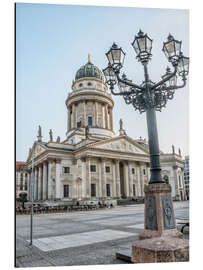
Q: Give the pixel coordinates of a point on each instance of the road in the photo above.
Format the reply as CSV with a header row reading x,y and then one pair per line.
x,y
82,238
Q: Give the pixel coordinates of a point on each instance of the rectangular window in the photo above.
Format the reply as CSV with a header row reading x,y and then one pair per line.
x,y
133,189
79,124
66,191
66,169
89,120
107,169
144,171
108,190
133,170
93,190
92,168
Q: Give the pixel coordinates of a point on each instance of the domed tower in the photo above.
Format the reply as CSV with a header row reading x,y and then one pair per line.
x,y
89,104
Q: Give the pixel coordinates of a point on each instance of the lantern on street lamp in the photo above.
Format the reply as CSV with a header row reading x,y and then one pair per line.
x,y
142,45
172,49
115,57
172,81
183,65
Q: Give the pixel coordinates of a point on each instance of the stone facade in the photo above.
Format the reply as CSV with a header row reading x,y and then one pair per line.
x,y
92,162
21,178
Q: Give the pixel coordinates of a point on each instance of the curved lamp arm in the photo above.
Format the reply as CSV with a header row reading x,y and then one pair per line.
x,y
165,79
124,93
177,86
127,82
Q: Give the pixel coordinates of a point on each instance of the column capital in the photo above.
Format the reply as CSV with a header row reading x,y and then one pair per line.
x,y
57,160
50,160
83,158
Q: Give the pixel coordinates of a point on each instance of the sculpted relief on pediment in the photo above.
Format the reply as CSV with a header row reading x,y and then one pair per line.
x,y
121,145
38,150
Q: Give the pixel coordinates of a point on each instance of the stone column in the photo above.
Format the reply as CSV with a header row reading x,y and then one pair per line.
x,y
141,181
106,117
69,119
35,183
114,179
118,187
39,182
126,179
111,120
57,180
84,113
139,189
73,116
49,180
103,167
130,179
44,182
83,178
88,178
100,179
96,116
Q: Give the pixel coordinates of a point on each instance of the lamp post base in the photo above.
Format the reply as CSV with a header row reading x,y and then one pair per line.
x,y
160,240
159,217
160,249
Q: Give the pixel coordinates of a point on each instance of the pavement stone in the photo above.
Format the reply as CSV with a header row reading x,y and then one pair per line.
x,y
60,226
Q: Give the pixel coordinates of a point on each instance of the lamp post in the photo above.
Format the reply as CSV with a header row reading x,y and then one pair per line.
x,y
150,97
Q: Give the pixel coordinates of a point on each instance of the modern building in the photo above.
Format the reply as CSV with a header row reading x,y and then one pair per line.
x,y
93,162
21,178
187,177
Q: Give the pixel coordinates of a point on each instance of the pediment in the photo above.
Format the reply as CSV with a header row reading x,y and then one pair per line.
x,y
37,148
121,144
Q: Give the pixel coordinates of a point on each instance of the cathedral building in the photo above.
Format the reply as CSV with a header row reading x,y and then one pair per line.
x,y
93,162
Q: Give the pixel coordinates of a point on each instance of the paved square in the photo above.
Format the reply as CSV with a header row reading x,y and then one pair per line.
x,y
78,239
136,226
82,238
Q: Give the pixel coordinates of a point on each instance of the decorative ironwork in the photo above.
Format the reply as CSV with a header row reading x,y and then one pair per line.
x,y
151,216
168,216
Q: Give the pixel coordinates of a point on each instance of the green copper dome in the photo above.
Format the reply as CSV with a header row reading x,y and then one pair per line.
x,y
89,70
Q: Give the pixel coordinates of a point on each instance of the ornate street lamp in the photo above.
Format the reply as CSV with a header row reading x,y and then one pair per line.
x,y
150,97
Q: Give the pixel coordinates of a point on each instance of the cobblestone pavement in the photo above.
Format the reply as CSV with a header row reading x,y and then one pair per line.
x,y
82,238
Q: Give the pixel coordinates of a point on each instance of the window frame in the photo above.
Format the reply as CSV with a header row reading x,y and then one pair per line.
x,y
93,166
66,191
68,169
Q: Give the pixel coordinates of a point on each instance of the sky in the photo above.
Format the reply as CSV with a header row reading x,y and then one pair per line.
x,y
53,41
